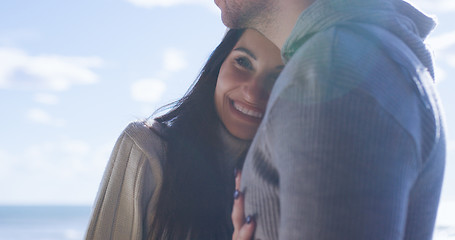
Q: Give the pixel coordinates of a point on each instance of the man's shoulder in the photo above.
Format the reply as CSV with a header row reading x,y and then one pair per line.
x,y
344,55
329,60
340,43
340,59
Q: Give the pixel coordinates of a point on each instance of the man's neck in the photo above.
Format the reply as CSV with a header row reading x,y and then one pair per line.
x,y
284,20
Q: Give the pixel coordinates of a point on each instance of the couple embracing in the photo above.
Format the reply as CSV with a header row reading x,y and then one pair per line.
x,y
326,111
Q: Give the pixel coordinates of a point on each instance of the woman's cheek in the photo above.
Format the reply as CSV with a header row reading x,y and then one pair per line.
x,y
231,80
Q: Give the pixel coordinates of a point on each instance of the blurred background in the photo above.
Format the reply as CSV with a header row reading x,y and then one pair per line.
x,y
73,74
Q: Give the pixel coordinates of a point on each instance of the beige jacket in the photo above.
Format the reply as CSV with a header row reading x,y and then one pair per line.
x,y
129,189
128,195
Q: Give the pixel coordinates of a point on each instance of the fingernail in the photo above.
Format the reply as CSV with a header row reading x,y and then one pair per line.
x,y
236,194
249,219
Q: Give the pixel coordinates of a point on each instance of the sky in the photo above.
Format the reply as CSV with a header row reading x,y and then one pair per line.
x,y
73,74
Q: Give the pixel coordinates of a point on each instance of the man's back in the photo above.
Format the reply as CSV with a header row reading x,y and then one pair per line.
x,y
352,145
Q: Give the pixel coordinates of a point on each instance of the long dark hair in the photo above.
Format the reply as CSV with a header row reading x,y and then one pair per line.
x,y
193,200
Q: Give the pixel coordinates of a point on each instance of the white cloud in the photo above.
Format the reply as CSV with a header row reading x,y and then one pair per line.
x,y
148,90
5,162
64,171
45,98
441,45
451,146
445,221
174,60
451,60
75,147
171,3
446,214
442,42
19,70
434,5
440,73
40,116
151,90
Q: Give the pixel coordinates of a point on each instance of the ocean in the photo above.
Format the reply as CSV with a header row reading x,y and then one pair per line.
x,y
70,222
43,222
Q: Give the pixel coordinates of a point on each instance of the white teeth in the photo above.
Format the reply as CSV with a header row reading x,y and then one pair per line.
x,y
248,112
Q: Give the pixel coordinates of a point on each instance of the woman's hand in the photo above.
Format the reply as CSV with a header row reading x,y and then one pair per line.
x,y
243,227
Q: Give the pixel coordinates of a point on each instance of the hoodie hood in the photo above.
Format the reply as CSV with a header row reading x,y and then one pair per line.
x,y
396,16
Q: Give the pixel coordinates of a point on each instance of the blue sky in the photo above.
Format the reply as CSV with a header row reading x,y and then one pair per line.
x,y
74,73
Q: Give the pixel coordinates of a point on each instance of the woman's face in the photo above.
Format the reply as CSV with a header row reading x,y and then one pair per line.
x,y
244,83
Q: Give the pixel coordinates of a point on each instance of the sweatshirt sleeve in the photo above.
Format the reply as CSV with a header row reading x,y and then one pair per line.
x,y
341,135
346,173
126,194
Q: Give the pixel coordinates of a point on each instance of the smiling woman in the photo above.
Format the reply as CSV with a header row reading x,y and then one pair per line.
x,y
244,83
172,177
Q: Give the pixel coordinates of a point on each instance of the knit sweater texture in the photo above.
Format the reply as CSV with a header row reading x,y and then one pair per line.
x,y
126,201
352,144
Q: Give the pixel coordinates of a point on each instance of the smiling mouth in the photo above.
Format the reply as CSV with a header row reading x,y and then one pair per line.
x,y
246,111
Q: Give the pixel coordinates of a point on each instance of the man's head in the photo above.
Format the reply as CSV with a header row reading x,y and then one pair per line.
x,y
275,19
245,13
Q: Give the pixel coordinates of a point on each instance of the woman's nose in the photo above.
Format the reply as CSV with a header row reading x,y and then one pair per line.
x,y
255,91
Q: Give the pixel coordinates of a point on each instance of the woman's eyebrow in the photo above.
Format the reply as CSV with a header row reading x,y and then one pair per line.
x,y
247,51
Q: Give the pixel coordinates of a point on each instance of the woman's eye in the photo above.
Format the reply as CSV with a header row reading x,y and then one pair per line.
x,y
244,62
